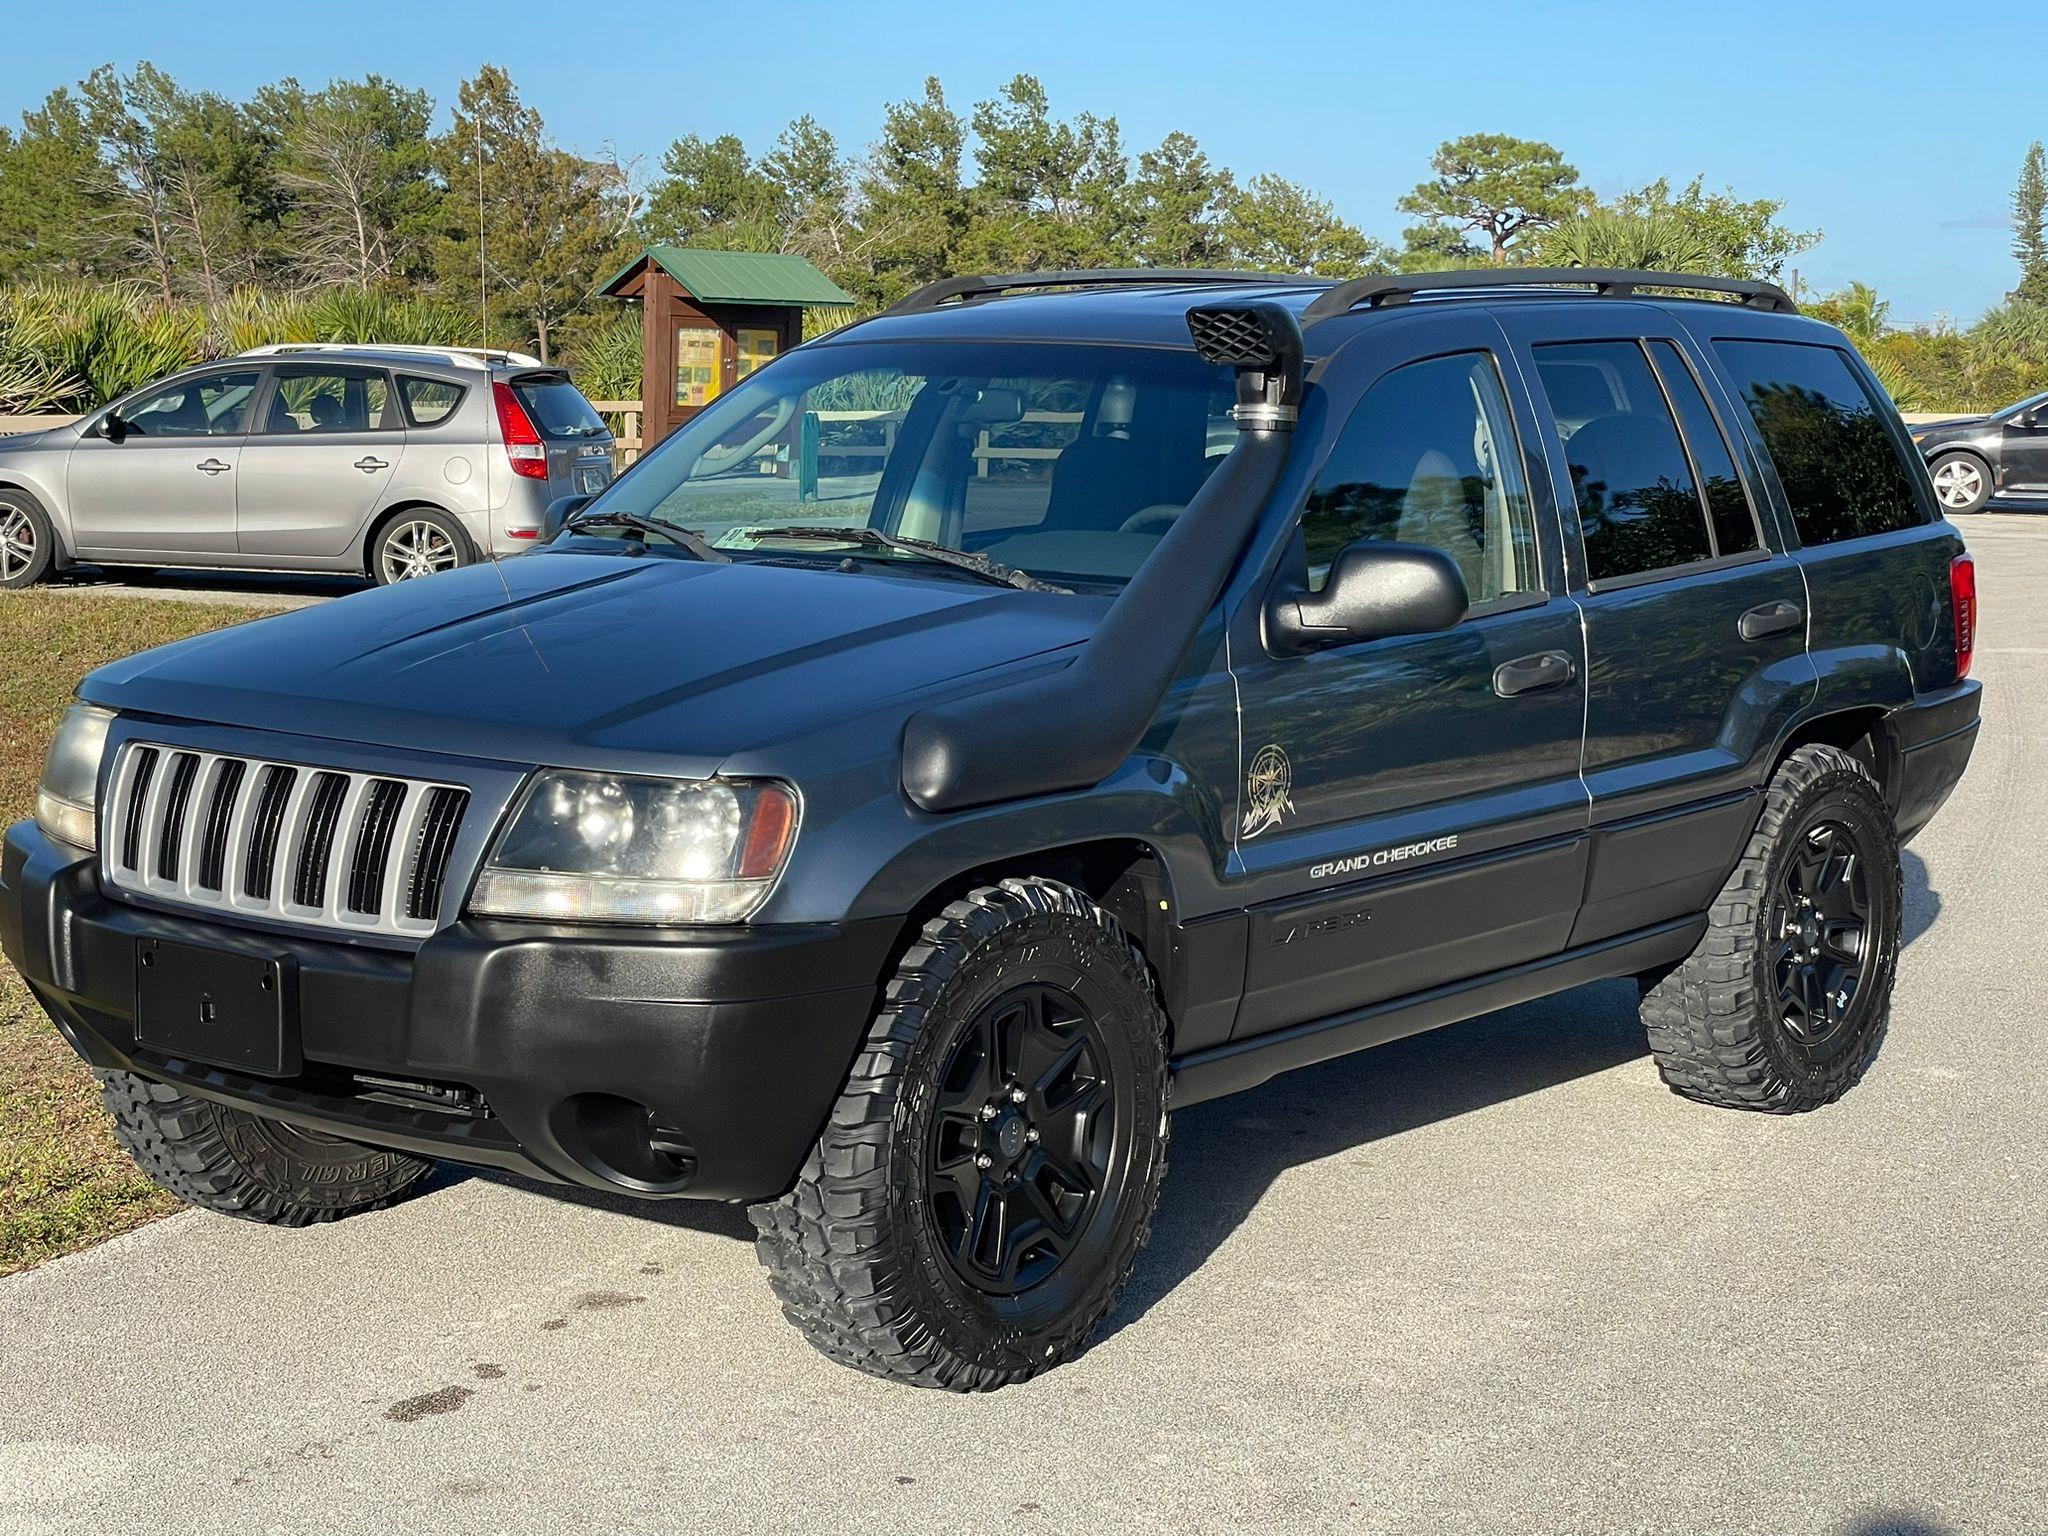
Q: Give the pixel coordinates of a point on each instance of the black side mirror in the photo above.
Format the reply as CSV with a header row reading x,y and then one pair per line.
x,y
559,511
111,427
1374,589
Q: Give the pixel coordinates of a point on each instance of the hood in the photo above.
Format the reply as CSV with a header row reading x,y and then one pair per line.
x,y
583,660
1945,426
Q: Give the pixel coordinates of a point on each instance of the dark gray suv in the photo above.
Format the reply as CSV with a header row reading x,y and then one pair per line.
x,y
391,462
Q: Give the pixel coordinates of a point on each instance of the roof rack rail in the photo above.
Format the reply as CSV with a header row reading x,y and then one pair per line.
x,y
465,357
949,289
1606,282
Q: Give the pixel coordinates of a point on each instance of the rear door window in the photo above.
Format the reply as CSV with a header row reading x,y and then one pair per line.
x,y
1728,509
1639,502
1842,472
328,400
558,408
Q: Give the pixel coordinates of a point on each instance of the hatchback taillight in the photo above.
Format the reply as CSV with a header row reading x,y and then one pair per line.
x,y
1962,591
523,445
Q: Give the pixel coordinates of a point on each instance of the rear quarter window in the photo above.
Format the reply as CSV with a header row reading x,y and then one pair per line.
x,y
1826,433
428,402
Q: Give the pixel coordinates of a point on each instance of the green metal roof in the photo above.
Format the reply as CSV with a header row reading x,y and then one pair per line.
x,y
741,277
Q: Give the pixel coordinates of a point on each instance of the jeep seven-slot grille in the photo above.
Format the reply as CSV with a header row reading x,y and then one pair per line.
x,y
358,851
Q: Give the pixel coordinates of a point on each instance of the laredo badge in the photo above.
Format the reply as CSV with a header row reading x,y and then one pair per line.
x,y
1267,784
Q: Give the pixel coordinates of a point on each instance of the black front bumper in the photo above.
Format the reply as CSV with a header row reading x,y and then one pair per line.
x,y
548,1050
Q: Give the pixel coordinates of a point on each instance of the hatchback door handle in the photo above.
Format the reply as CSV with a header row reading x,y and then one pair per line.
x,y
213,467
370,466
1770,619
1529,674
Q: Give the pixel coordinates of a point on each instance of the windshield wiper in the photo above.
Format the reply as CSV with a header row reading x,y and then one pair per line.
x,y
922,549
684,538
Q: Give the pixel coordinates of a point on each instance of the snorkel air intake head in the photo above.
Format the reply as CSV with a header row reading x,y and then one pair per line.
x,y
1261,340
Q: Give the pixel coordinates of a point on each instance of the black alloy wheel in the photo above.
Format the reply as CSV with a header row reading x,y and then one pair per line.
x,y
1022,1135
1821,919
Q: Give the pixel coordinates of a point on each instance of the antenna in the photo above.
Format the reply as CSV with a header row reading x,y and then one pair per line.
x,y
483,280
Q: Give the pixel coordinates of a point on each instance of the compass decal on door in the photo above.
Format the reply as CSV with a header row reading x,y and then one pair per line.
x,y
1268,784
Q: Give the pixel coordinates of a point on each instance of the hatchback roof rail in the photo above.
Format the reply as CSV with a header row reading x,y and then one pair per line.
x,y
981,286
1606,283
462,357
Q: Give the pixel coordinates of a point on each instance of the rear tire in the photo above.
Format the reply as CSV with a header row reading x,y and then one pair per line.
x,y
990,1170
238,1164
1784,1003
28,544
1962,483
420,541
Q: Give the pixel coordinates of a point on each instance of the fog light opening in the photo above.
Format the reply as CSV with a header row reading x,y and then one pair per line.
x,y
624,1142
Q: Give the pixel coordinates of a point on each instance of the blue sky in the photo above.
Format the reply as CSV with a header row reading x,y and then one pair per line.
x,y
1849,112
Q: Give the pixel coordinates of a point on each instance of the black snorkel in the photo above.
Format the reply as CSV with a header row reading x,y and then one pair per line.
x,y
1071,729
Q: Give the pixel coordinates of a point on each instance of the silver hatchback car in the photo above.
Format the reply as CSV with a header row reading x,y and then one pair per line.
x,y
387,461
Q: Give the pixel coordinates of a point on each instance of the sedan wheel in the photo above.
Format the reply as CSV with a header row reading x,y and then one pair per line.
x,y
1961,483
416,547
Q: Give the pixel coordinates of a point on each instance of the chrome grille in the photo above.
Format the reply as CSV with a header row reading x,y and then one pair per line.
x,y
363,852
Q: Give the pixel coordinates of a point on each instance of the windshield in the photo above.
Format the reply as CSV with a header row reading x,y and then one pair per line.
x,y
1067,462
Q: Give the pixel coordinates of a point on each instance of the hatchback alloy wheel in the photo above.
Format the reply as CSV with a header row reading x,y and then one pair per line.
x,y
17,543
418,549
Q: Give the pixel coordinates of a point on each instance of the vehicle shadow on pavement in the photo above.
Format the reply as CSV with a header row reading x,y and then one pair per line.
x,y
1923,902
1226,1153
711,1217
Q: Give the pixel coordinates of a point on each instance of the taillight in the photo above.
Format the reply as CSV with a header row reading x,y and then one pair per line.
x,y
523,445
1962,591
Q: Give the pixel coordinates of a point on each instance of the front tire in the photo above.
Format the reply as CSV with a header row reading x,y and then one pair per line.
x,y
238,1164
416,543
1962,483
28,545
1784,1003
990,1170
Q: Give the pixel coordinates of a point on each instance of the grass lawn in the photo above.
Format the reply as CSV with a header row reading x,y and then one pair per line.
x,y
63,1181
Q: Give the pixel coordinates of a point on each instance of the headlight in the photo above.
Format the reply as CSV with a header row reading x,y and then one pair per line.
x,y
69,792
598,847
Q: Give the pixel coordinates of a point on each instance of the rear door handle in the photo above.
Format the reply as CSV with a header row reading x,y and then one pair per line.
x,y
213,467
1770,619
1530,674
370,466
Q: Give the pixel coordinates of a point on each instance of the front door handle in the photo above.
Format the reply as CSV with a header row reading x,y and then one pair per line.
x,y
1530,674
213,467
370,466
1770,619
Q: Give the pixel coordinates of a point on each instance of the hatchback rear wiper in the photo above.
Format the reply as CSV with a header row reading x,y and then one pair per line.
x,y
923,549
684,538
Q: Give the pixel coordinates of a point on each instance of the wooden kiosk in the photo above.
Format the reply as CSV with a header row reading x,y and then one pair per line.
x,y
710,318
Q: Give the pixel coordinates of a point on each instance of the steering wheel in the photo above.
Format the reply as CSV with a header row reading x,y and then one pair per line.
x,y
1158,516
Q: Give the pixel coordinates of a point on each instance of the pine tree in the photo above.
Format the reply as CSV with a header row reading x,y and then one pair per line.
x,y
2030,227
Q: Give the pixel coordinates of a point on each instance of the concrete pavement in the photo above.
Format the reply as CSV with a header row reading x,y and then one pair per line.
x,y
1491,1279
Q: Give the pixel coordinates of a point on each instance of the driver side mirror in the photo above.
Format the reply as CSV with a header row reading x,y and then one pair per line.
x,y
559,511
1374,589
111,427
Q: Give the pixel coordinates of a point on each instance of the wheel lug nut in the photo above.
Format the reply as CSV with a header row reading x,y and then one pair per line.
x,y
983,1160
1017,1095
988,1111
1031,1134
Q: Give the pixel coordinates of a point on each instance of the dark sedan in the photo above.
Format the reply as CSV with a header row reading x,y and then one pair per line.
x,y
1977,458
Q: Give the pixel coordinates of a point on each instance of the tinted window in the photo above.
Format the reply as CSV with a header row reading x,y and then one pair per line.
x,y
213,406
1727,504
558,408
1639,506
329,400
429,402
1430,457
1841,471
